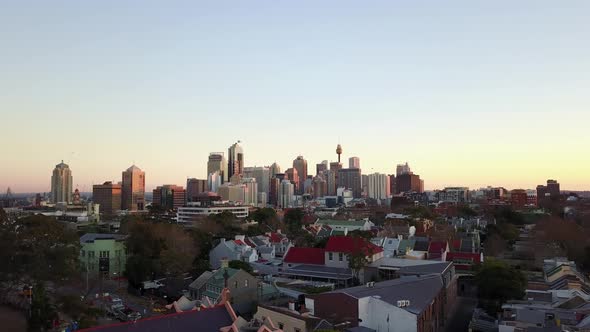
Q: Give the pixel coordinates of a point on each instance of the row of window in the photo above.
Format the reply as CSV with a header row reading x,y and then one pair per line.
x,y
101,254
331,256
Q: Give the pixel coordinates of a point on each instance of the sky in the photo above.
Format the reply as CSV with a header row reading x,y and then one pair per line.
x,y
470,93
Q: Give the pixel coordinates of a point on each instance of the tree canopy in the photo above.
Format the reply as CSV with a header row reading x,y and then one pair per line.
x,y
37,248
235,264
497,283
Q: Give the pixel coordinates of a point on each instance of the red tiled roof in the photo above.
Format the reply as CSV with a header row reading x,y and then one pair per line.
x,y
250,243
436,247
240,242
457,244
275,238
305,256
349,244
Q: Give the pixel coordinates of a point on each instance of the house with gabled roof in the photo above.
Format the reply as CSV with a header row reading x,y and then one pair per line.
x,y
339,249
236,249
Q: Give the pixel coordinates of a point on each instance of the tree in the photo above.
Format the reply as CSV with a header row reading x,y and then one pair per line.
x,y
497,283
293,220
37,248
42,311
466,211
239,265
506,215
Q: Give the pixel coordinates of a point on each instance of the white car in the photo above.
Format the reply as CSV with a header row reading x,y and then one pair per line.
x,y
152,284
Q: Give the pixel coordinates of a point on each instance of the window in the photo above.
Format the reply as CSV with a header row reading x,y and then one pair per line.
x,y
104,254
281,326
246,283
330,256
340,256
91,254
236,284
83,253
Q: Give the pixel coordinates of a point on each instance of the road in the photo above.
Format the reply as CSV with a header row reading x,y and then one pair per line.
x,y
462,316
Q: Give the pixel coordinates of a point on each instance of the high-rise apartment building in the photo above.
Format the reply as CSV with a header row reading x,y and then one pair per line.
x,y
350,178
194,187
133,189
285,194
61,184
354,162
169,197
236,160
218,163
378,186
250,191
108,197
552,189
300,164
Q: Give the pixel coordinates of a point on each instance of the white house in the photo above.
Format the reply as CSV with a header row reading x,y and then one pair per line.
x,y
236,249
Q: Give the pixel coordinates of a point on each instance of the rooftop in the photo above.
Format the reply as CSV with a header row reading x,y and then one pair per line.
x,y
349,244
305,256
91,237
420,291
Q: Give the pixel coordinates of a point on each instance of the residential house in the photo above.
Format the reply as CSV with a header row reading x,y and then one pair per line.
x,y
290,319
220,317
465,261
298,256
339,249
342,227
208,287
404,304
110,247
236,249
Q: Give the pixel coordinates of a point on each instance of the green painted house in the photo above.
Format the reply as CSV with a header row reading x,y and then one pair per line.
x,y
110,247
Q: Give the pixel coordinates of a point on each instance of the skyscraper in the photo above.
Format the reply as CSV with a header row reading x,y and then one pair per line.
x,y
61,184
250,191
236,160
108,197
274,169
354,162
133,190
300,164
217,163
408,182
320,186
350,178
285,195
262,176
293,176
402,169
214,181
321,167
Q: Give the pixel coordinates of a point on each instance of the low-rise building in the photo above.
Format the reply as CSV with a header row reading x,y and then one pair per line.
x,y
109,248
236,249
193,211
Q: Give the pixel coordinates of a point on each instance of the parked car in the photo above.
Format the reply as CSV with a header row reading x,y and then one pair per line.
x,y
155,284
127,314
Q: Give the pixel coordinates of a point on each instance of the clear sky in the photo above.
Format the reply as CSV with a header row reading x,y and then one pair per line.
x,y
468,92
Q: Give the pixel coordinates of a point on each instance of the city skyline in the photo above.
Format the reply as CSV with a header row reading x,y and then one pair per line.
x,y
470,94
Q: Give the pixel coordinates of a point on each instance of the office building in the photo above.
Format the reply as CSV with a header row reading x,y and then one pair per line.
x,y
194,211
350,178
232,192
408,182
354,162
133,189
262,176
286,194
194,187
214,181
320,186
552,190
169,197
321,167
378,186
61,184
456,195
108,197
236,160
300,164
273,195
274,169
218,163
402,169
293,176
518,198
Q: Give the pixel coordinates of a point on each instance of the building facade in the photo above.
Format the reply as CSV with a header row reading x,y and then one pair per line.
x,y
61,184
378,186
194,187
169,197
350,178
194,211
286,194
109,247
354,162
300,164
218,163
236,160
108,197
133,189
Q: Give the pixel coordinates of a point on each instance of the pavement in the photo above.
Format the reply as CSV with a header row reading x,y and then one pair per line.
x,y
462,316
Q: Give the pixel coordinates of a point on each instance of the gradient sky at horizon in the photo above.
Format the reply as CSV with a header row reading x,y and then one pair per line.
x,y
469,93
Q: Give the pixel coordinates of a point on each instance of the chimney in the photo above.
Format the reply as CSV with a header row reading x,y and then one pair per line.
x,y
224,263
400,237
291,306
279,231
